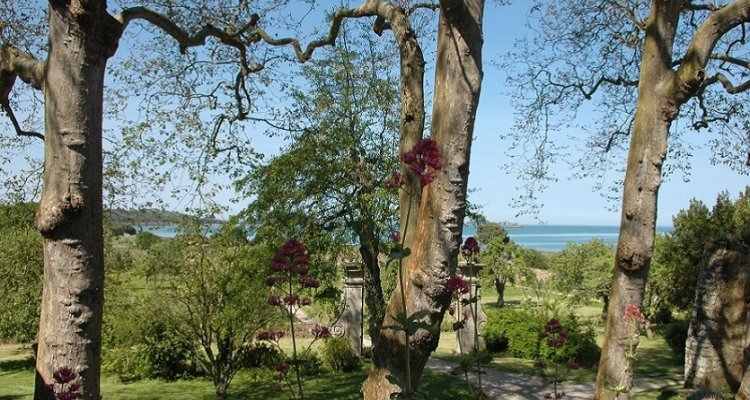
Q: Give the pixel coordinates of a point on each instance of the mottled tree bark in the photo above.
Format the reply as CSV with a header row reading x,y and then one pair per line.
x,y
661,92
717,344
437,233
82,37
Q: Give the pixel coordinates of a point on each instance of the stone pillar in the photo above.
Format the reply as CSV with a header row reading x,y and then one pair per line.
x,y
465,336
717,343
348,324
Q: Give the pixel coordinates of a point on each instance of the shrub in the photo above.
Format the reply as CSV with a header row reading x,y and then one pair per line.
x,y
338,356
169,355
144,240
516,333
675,334
702,394
309,363
261,355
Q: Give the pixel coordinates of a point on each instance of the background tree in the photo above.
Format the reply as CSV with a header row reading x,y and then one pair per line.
x,y
220,292
584,271
680,56
330,180
21,265
488,231
504,262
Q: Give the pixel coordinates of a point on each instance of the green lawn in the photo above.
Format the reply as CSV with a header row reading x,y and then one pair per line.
x,y
17,383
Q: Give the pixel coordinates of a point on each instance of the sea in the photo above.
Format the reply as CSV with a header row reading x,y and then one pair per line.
x,y
553,238
545,238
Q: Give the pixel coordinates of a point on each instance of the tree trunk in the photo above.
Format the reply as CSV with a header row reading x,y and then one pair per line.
x,y
717,340
648,149
369,249
500,288
82,37
437,233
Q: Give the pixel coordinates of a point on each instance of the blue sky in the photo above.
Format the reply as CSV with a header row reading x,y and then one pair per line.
x,y
566,201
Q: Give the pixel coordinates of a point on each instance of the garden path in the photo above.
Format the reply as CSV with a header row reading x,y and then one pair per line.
x,y
512,386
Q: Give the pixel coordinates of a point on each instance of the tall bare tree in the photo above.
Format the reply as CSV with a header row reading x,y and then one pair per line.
x,y
658,58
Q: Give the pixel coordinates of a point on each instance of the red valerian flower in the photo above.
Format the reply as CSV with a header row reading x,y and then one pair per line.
x,y
395,237
284,368
634,314
424,160
573,365
554,333
310,283
274,300
397,180
291,299
320,332
64,375
457,286
540,364
471,245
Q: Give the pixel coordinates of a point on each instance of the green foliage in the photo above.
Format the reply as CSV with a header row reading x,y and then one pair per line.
x,y
678,255
21,267
339,357
116,229
309,362
675,334
533,258
516,333
705,394
169,355
145,240
489,231
584,271
261,355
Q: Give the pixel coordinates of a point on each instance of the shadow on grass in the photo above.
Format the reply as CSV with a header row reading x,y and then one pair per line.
x,y
10,397
23,364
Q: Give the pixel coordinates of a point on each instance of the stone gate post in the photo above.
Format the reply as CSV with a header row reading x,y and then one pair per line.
x,y
348,324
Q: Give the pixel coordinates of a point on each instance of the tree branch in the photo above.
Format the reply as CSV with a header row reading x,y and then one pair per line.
x,y
691,74
15,63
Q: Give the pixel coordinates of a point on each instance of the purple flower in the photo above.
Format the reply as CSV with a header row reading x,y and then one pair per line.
x,y
310,283
470,248
540,364
397,180
320,332
274,300
424,160
283,368
634,314
64,375
291,299
457,286
554,333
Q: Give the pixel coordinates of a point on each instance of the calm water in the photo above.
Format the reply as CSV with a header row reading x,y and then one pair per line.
x,y
554,237
549,238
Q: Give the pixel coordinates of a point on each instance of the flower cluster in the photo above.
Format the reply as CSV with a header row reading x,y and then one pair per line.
x,y
320,332
424,160
470,249
554,334
270,336
550,395
66,389
457,286
289,265
396,181
633,314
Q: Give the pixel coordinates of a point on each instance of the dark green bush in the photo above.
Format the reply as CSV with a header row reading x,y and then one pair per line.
x,y
144,240
516,333
675,334
261,355
309,363
338,356
702,394
169,355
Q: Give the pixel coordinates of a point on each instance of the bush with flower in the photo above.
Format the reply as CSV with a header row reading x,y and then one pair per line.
x,y
290,281
554,336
